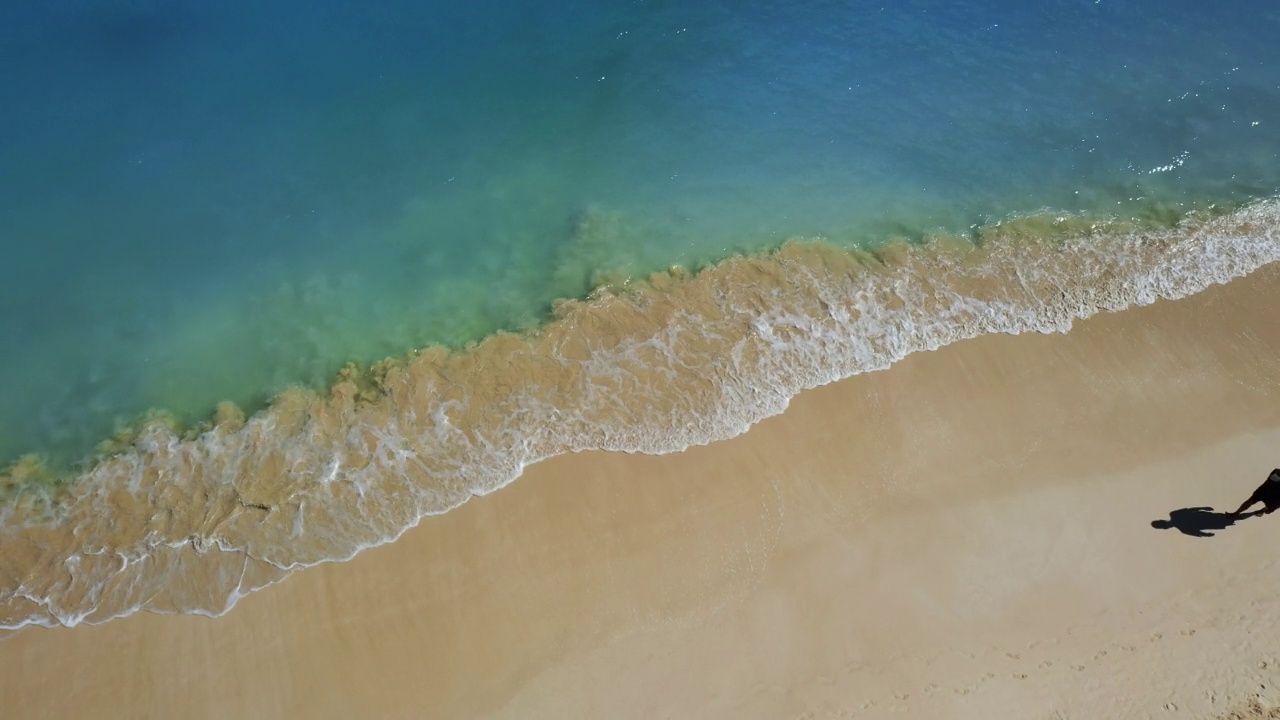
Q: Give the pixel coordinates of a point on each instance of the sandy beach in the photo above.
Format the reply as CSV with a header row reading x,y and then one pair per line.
x,y
965,535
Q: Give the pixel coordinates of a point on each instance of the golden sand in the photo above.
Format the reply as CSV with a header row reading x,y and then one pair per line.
x,y
965,535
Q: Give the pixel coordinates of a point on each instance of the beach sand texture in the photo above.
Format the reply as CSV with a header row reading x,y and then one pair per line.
x,y
967,534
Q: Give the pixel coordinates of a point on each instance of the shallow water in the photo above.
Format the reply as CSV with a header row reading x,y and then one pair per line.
x,y
205,202
215,202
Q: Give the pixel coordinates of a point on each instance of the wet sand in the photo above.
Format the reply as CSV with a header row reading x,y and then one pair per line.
x,y
965,535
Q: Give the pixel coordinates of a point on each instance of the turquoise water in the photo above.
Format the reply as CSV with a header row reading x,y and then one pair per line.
x,y
209,201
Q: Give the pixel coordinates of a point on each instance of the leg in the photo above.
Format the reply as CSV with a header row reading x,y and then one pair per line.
x,y
1253,499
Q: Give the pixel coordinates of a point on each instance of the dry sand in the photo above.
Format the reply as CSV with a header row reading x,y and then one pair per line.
x,y
965,535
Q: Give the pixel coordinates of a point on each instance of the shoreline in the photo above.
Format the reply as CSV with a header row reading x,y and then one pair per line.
x,y
951,538
195,524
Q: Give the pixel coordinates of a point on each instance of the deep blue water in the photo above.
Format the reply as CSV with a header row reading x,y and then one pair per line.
x,y
203,201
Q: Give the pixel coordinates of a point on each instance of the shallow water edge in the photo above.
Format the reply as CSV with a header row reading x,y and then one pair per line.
x,y
174,524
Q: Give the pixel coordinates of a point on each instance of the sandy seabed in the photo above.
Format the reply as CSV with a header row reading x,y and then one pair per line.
x,y
965,535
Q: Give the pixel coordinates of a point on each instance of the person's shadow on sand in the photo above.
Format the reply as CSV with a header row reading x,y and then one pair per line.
x,y
1197,521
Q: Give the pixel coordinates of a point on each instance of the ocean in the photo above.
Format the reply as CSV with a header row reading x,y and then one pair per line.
x,y
285,278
